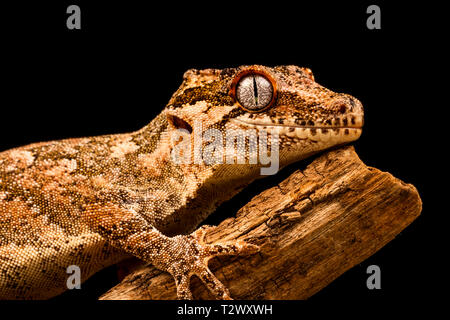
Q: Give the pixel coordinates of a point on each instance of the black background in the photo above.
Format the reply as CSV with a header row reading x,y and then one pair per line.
x,y
117,72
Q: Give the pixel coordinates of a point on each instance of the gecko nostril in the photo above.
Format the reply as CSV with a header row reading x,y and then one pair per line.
x,y
342,108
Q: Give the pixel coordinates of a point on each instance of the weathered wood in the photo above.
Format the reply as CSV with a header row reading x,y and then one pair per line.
x,y
312,227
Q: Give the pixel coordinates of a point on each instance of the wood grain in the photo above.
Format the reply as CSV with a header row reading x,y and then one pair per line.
x,y
312,227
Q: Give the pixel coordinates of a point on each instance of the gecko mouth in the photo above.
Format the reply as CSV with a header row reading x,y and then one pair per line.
x,y
351,130
262,124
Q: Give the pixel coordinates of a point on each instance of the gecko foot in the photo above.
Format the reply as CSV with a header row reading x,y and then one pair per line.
x,y
192,258
182,256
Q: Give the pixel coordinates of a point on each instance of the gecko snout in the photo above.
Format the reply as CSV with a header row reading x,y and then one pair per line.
x,y
347,105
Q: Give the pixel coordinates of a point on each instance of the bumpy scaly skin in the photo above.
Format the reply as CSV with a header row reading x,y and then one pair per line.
x,y
94,201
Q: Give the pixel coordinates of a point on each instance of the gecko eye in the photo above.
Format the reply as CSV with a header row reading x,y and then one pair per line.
x,y
253,90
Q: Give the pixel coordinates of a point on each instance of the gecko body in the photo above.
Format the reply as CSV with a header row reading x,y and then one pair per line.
x,y
95,201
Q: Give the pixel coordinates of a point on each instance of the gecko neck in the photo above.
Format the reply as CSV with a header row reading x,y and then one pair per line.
x,y
187,194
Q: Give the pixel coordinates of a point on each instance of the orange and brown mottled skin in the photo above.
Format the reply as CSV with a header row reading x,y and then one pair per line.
x,y
93,202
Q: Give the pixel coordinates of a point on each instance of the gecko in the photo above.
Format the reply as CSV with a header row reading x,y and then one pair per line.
x,y
95,201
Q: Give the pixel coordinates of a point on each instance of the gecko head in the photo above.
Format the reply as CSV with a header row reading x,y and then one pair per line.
x,y
283,102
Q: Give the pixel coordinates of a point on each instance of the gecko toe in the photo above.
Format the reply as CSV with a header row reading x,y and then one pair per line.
x,y
237,248
183,291
214,285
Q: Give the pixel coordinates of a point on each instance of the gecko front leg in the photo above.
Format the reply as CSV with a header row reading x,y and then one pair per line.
x,y
182,256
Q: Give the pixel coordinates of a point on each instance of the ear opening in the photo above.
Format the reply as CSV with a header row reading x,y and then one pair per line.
x,y
178,123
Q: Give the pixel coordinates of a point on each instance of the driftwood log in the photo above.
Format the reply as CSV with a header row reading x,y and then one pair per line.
x,y
312,227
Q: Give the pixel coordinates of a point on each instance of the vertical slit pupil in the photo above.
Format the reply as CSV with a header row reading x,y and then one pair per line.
x,y
255,90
